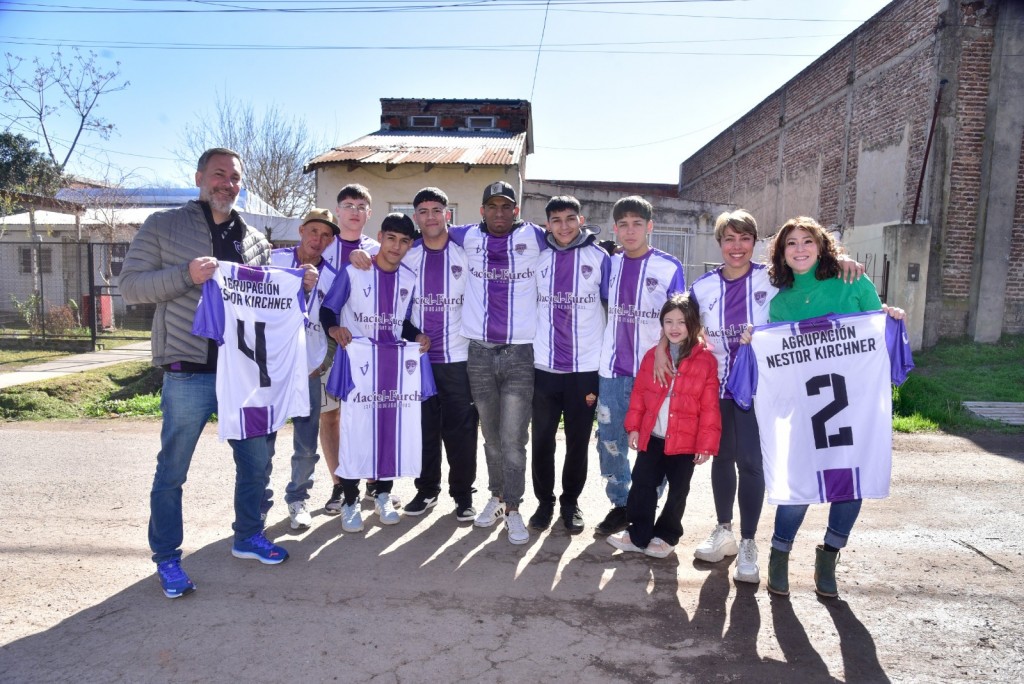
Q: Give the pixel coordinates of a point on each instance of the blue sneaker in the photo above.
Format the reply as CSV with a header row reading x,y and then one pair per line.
x,y
173,579
259,547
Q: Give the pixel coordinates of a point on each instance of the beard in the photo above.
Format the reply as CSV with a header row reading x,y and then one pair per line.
x,y
217,202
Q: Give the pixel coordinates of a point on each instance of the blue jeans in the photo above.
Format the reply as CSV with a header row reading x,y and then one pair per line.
x,y
612,438
501,380
188,400
841,517
305,433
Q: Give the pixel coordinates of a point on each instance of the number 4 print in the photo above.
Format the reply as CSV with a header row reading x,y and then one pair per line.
x,y
259,355
823,440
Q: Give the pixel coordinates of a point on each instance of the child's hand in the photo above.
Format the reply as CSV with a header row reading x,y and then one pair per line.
x,y
701,458
634,440
424,343
747,334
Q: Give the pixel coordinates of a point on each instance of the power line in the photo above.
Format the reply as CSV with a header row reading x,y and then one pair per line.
x,y
540,44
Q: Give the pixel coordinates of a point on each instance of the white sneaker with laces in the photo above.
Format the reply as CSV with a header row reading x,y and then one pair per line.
x,y
351,517
719,544
493,511
298,511
516,528
386,509
746,563
622,542
659,548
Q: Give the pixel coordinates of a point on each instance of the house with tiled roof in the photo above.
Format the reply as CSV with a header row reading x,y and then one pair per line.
x,y
457,145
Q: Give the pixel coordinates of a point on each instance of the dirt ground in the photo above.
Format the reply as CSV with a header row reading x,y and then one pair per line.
x,y
931,583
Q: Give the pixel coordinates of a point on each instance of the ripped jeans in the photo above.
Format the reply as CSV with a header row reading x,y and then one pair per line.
x,y
612,438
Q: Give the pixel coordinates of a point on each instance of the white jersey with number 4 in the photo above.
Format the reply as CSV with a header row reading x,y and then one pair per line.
x,y
383,385
823,398
257,315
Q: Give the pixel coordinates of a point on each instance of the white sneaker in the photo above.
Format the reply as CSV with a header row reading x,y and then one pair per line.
x,y
659,548
351,517
299,513
719,544
516,528
746,563
622,542
385,509
493,511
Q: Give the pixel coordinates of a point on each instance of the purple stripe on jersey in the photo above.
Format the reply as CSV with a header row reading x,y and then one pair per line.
x,y
838,484
252,275
386,434
630,281
347,247
386,284
497,291
563,282
255,421
433,279
736,312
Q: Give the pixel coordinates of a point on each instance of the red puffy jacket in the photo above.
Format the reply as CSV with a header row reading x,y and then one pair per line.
x,y
694,420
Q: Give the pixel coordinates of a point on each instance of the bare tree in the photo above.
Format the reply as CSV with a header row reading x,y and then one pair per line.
x,y
273,145
44,92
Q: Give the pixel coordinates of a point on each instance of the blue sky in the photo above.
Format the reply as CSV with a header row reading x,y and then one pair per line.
x,y
621,90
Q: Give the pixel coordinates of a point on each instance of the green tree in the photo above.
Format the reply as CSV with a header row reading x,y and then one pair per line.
x,y
23,168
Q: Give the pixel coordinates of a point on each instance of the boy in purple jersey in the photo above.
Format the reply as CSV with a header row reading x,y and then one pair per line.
x,y
352,212
572,286
641,281
450,415
499,316
372,310
317,232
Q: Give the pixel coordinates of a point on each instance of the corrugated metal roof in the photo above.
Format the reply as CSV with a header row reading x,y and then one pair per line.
x,y
404,147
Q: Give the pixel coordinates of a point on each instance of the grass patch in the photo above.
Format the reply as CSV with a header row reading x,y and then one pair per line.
x,y
955,371
130,388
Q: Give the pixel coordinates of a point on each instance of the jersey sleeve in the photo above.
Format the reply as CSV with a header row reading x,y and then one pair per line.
x,y
901,361
427,386
209,318
742,382
335,299
457,234
339,382
606,274
678,283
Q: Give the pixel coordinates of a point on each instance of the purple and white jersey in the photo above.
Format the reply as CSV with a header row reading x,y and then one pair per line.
x,y
726,307
257,315
823,401
637,289
441,277
571,286
501,295
338,253
382,385
316,338
373,303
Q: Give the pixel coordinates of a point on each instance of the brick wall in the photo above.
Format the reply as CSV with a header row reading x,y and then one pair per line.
x,y
874,91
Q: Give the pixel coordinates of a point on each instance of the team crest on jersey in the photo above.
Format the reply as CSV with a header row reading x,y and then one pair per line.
x,y
520,248
403,293
587,271
365,368
760,297
456,272
651,284
238,248
410,366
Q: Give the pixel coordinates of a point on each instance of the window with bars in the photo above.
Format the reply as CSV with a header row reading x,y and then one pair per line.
x,y
26,254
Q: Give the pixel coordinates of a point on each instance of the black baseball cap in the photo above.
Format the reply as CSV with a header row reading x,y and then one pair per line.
x,y
499,189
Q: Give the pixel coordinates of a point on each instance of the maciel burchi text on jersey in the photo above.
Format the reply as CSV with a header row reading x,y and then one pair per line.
x,y
386,398
820,345
632,311
502,274
439,302
568,299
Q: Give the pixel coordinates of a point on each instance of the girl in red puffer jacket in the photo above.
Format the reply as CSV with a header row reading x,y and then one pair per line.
x,y
674,428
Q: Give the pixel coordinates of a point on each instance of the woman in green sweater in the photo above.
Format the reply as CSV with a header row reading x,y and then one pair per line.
x,y
804,266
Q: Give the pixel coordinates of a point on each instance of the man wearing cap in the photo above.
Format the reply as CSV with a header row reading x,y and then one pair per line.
x,y
499,316
317,232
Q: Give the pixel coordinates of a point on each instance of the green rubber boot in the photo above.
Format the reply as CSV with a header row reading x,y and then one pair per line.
x,y
825,572
778,572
